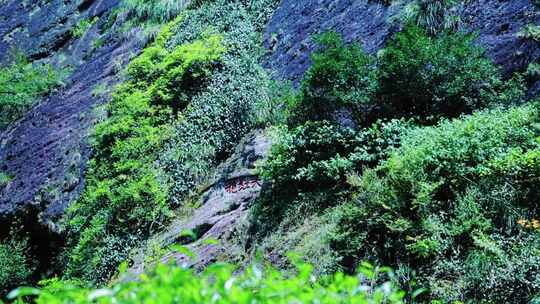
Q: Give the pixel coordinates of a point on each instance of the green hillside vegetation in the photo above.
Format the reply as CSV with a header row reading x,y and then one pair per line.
x,y
423,158
189,98
445,199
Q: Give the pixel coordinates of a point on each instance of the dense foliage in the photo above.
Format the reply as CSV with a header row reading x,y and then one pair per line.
x,y
124,200
439,77
189,98
423,157
309,167
218,284
227,108
15,264
454,205
415,76
341,77
450,206
21,84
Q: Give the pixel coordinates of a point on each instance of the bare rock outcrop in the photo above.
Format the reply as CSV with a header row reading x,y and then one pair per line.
x,y
223,206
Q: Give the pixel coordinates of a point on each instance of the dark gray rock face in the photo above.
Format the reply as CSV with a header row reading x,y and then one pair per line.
x,y
46,151
498,22
41,28
289,33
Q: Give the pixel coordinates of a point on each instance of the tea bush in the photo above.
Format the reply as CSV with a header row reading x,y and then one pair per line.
x,y
219,284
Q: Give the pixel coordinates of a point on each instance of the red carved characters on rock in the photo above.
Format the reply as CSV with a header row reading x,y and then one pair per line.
x,y
237,185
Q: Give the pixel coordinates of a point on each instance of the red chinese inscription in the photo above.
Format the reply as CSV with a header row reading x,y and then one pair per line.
x,y
235,186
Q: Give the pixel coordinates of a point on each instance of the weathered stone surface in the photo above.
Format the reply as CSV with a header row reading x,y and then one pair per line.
x,y
289,34
290,31
46,151
222,206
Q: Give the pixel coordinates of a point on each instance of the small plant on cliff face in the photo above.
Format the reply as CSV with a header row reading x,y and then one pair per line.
x,y
4,179
434,16
530,31
83,26
21,84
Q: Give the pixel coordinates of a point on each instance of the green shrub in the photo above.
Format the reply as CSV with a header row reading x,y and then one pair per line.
x,y
4,179
456,204
83,26
21,84
430,78
341,76
309,167
220,284
415,76
530,31
15,265
532,73
125,198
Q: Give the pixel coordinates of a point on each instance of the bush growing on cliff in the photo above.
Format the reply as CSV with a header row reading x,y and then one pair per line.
x,y
21,84
341,77
415,76
430,78
15,266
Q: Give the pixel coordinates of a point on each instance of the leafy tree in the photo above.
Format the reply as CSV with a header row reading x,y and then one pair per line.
x,y
429,78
